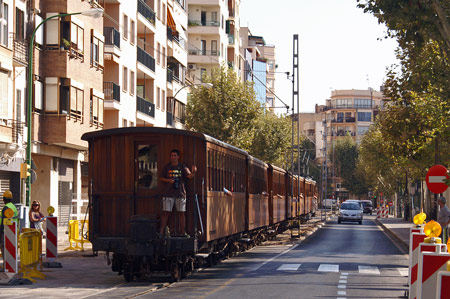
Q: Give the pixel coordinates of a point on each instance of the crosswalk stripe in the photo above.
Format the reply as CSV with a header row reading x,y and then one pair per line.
x,y
403,271
328,268
368,270
289,267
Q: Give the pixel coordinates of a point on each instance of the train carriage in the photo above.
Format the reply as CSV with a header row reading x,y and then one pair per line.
x,y
233,201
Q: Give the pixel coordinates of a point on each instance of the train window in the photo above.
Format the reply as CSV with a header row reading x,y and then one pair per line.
x,y
148,167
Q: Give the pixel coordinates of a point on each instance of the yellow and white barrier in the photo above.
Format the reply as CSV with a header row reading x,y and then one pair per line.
x,y
77,236
30,254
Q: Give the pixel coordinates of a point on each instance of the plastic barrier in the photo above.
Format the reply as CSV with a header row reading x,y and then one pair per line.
x,y
414,249
379,213
10,252
385,212
443,285
430,263
30,254
75,237
52,243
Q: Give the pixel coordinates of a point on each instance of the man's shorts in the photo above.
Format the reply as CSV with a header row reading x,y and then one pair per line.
x,y
180,204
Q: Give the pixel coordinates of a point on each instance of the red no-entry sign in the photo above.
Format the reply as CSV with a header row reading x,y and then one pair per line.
x,y
435,179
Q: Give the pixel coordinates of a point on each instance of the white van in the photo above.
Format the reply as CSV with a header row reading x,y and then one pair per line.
x,y
329,203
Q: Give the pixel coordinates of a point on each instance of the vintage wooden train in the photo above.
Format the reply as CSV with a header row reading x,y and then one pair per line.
x,y
126,199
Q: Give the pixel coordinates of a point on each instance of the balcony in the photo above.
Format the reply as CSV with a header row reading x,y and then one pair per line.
x,y
20,50
145,106
169,118
349,119
146,11
145,58
194,23
112,36
203,52
111,91
169,76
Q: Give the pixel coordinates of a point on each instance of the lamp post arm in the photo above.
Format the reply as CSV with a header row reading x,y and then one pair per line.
x,y
30,97
174,96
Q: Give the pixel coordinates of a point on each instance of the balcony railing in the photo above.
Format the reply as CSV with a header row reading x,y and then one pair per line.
x,y
17,130
204,23
145,106
203,52
231,39
145,58
146,11
111,91
112,36
174,36
20,49
169,33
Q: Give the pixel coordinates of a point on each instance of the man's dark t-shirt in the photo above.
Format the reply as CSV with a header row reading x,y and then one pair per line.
x,y
177,173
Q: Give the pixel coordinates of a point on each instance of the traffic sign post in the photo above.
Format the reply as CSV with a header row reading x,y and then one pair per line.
x,y
435,179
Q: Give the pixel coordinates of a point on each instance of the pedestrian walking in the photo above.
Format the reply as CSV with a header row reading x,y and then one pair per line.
x,y
443,218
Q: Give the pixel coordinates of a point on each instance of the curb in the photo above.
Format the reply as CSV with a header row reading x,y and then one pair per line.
x,y
401,243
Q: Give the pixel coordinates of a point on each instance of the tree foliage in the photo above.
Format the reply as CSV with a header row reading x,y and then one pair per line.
x,y
230,112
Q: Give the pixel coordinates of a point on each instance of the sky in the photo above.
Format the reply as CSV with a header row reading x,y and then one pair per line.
x,y
339,46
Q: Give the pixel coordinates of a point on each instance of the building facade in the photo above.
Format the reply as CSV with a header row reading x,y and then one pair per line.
x,y
13,65
346,113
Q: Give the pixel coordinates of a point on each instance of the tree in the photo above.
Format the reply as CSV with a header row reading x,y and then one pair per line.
x,y
346,158
228,111
272,139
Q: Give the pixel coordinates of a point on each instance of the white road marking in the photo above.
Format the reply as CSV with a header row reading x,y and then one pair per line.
x,y
403,271
271,259
342,293
289,267
368,270
344,274
341,298
342,286
343,281
328,268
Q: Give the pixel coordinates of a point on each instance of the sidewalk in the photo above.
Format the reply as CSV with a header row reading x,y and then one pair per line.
x,y
398,229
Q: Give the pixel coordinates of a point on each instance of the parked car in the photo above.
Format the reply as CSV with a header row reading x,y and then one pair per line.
x,y
367,206
351,210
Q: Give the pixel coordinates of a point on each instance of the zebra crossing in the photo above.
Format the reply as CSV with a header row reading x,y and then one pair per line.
x,y
336,268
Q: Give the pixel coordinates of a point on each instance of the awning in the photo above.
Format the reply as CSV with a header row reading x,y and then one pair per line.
x,y
171,21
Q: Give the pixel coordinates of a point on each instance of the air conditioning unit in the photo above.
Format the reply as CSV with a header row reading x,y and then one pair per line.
x,y
192,66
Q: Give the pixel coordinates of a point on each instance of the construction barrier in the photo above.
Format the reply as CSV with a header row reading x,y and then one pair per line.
x,y
443,285
430,264
30,254
378,213
52,243
10,250
417,231
77,236
385,212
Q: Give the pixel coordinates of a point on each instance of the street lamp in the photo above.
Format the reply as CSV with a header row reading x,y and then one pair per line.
x,y
93,12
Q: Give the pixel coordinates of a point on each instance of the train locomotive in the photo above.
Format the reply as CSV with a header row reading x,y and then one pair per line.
x,y
234,201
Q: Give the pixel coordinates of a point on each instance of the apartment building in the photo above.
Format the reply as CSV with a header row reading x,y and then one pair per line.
x,y
13,63
145,63
347,113
259,66
213,31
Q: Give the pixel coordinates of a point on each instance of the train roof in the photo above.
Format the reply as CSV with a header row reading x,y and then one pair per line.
x,y
257,161
158,130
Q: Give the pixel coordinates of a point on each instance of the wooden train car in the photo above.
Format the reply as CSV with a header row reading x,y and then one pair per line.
x,y
233,199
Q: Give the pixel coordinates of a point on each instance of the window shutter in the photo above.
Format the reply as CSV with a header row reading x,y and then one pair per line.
x,y
52,30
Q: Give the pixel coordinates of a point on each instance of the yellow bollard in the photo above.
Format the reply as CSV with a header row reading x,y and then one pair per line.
x,y
30,254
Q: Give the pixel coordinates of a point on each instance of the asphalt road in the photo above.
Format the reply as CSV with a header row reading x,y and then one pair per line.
x,y
339,261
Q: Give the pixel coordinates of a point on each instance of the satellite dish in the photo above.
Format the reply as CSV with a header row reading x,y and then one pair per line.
x,y
33,176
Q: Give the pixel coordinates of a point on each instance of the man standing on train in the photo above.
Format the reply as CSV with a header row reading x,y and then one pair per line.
x,y
174,176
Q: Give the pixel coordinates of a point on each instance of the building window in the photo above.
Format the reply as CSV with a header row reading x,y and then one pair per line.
x,y
4,79
96,51
163,20
163,57
158,9
125,79
3,23
158,98
125,27
158,54
124,123
344,103
133,32
271,64
202,74
77,38
270,102
96,109
362,130
364,116
163,100
38,95
363,103
180,112
214,48
20,24
64,96
132,84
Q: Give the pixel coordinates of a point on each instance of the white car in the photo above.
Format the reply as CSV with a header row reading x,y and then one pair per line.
x,y
350,211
